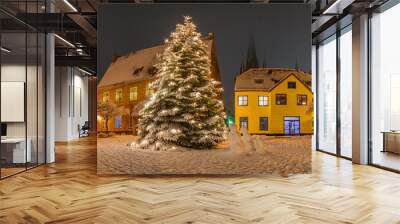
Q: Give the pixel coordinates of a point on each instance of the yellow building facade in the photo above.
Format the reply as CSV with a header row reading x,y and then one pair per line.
x,y
274,102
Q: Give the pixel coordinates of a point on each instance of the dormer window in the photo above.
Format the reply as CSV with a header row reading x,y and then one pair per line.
x,y
259,81
291,85
137,70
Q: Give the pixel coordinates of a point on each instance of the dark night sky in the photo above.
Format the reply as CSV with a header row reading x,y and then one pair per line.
x,y
282,33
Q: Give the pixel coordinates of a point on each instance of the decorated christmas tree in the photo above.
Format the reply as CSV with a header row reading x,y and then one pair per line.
x,y
185,110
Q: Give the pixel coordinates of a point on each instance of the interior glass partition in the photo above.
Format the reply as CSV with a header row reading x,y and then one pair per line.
x,y
346,72
385,89
327,95
22,77
14,155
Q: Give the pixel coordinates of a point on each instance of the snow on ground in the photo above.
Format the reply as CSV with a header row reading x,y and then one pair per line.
x,y
283,155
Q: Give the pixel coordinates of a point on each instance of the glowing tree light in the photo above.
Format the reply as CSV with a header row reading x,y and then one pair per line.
x,y
185,110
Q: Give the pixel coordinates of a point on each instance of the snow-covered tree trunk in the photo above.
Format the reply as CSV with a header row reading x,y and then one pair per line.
x,y
185,110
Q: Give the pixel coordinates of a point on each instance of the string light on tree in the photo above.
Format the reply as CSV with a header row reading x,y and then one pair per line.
x,y
184,111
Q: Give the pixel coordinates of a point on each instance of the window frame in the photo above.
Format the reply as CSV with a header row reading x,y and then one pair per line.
x,y
119,98
149,91
278,95
258,81
264,100
106,96
133,93
247,100
299,96
292,82
266,124
247,122
120,122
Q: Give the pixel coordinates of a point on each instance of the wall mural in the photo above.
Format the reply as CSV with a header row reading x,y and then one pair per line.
x,y
162,109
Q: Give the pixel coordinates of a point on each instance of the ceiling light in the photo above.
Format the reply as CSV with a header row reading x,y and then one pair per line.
x,y
84,71
64,40
329,9
5,50
70,5
337,7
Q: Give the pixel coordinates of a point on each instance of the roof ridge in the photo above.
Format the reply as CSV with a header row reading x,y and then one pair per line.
x,y
275,69
209,37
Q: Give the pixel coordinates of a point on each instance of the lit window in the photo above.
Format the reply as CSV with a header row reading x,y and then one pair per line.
x,y
133,94
242,100
118,95
281,99
301,99
263,123
118,122
262,100
244,121
149,90
106,96
291,85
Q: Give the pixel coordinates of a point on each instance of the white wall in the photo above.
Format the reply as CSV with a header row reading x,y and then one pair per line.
x,y
61,103
71,102
12,73
33,127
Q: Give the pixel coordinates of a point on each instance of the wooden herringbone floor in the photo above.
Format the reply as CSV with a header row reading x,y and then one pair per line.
x,y
69,191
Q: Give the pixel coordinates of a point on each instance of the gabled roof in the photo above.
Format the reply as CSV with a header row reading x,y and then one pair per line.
x,y
138,66
268,78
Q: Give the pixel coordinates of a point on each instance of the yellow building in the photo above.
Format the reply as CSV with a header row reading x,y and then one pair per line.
x,y
274,101
126,84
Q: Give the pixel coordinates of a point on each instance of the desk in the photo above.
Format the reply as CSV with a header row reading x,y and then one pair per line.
x,y
13,150
391,141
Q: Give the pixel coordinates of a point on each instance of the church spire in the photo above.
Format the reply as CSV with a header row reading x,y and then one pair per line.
x,y
251,60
